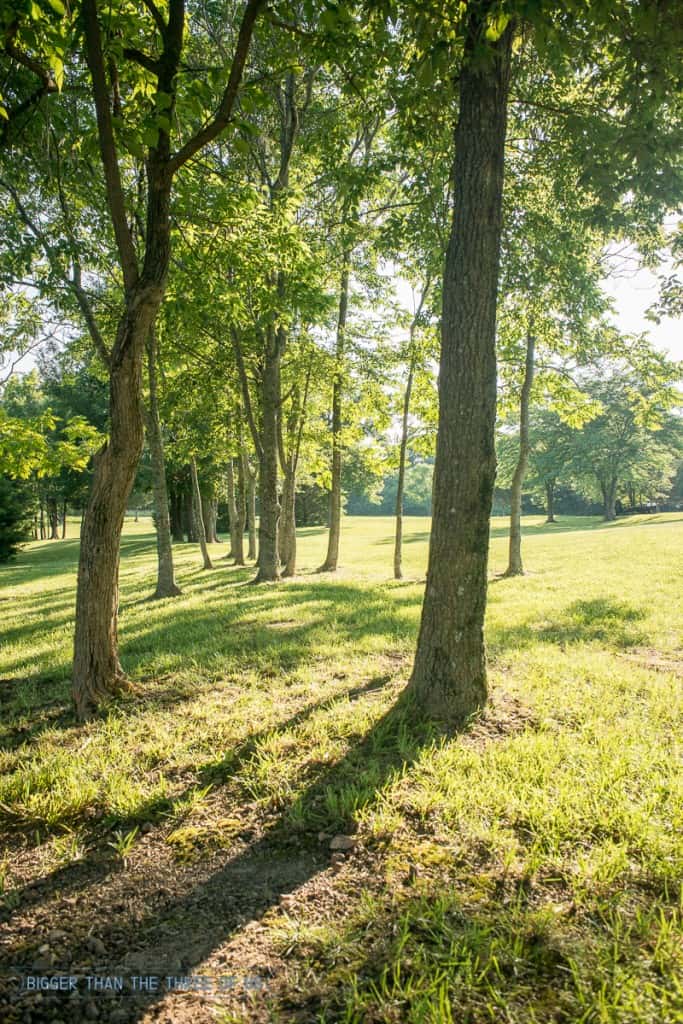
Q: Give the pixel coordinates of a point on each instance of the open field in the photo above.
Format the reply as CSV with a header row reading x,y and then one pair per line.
x,y
527,870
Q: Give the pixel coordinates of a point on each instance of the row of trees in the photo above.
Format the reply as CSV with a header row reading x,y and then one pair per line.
x,y
212,193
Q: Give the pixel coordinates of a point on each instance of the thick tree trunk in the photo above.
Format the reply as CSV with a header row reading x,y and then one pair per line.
x,y
609,497
287,533
198,518
449,675
166,584
398,540
97,672
236,518
268,554
550,501
515,567
332,556
64,521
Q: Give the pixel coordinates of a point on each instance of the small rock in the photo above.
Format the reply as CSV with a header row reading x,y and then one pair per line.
x,y
44,948
323,837
43,963
342,843
96,946
147,827
337,858
57,935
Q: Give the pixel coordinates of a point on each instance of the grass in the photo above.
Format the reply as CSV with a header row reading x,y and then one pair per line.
x,y
527,870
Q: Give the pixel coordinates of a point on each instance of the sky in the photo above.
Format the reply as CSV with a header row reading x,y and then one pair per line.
x,y
632,294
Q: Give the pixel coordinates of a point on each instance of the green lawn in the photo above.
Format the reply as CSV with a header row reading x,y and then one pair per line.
x,y
527,870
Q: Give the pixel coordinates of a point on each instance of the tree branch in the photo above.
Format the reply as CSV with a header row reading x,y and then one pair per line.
x,y
224,113
110,163
239,358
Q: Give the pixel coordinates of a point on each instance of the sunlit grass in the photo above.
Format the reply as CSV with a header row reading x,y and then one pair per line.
x,y
528,870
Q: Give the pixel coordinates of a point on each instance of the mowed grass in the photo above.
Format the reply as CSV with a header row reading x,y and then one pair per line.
x,y
527,869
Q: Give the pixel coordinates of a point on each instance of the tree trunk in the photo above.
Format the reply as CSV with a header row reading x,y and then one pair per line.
x,y
176,513
189,525
198,518
609,496
550,501
209,518
287,535
64,521
97,672
251,512
241,510
268,555
236,519
42,520
515,567
449,675
332,556
166,584
53,518
398,541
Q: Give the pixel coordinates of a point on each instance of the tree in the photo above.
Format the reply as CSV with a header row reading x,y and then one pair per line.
x,y
449,674
633,441
16,514
120,67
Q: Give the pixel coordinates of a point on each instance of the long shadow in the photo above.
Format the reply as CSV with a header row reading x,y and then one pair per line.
x,y
258,875
216,773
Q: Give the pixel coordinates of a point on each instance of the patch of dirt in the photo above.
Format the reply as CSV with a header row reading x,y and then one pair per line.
x,y
650,657
210,918
504,716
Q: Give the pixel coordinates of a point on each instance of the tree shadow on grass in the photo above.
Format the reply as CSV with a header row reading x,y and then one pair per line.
x,y
158,809
605,620
182,933
430,954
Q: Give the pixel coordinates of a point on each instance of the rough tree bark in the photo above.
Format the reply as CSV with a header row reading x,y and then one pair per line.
x,y
198,517
268,549
449,674
64,521
334,535
515,566
166,584
97,672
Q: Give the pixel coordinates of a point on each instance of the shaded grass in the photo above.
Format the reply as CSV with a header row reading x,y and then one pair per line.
x,y
528,870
